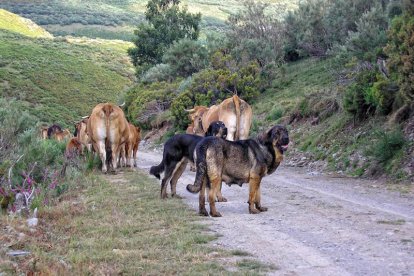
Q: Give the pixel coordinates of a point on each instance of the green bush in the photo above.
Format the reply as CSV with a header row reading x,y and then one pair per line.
x,y
358,97
146,102
387,146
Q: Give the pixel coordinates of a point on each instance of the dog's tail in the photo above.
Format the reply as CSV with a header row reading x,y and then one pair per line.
x,y
236,101
201,174
157,170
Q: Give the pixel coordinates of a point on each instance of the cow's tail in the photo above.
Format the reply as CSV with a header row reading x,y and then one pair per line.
x,y
201,174
236,101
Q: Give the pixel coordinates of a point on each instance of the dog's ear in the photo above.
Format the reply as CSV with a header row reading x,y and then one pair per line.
x,y
209,131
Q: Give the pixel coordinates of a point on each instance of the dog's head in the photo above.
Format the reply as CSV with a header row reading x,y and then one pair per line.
x,y
217,128
278,136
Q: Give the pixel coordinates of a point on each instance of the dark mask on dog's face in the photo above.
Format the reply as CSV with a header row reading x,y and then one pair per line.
x,y
280,137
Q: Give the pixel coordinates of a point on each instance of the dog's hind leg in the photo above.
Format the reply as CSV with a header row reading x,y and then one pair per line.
x,y
169,170
179,169
202,198
214,186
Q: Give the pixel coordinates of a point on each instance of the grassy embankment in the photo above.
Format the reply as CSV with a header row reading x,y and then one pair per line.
x,y
118,224
306,90
60,79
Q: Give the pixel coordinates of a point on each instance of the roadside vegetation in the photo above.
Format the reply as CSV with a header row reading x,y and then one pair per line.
x,y
320,69
117,224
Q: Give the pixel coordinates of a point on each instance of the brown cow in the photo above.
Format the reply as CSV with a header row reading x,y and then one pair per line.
x,y
234,112
73,147
43,132
61,135
107,128
80,133
129,152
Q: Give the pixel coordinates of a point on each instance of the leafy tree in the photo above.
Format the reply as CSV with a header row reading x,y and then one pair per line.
x,y
400,49
166,23
255,36
370,36
186,57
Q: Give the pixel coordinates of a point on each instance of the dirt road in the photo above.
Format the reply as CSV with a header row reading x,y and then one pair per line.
x,y
315,225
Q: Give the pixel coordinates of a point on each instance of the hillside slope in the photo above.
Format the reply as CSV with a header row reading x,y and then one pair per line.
x,y
60,79
14,23
117,19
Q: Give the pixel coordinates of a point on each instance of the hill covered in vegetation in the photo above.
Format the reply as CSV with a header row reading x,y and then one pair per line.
x,y
59,79
117,19
338,72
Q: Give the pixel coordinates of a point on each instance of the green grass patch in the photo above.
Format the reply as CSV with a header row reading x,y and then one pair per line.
x,y
117,224
62,79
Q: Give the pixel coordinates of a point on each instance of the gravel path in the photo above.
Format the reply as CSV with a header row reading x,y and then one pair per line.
x,y
316,225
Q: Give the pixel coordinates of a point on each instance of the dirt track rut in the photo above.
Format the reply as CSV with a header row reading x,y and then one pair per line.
x,y
316,225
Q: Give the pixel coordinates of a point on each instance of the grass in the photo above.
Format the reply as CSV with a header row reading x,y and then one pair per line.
x,y
115,225
62,79
14,23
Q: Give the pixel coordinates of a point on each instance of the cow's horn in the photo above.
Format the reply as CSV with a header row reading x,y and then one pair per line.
x,y
190,110
122,104
84,117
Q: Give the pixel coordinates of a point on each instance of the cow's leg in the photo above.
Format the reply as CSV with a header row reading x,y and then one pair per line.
x,y
130,156
177,174
115,155
102,154
122,159
169,170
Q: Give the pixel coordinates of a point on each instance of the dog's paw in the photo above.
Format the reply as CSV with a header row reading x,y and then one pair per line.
x,y
221,199
253,211
215,215
262,209
203,212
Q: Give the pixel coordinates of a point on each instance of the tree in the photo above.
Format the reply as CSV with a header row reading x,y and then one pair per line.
x,y
254,35
186,57
166,23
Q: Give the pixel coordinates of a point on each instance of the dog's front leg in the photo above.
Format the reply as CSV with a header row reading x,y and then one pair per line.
x,y
257,201
254,195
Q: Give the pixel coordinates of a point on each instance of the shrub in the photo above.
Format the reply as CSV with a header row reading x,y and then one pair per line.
x,y
357,98
387,146
186,57
158,73
145,102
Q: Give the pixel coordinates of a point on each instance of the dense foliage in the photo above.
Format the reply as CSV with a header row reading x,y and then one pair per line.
x,y
166,23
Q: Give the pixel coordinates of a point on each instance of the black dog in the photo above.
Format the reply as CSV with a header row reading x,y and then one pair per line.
x,y
177,151
52,130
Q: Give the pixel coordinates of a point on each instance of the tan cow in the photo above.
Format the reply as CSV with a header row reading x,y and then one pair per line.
x,y
107,128
131,146
43,132
81,134
234,112
73,147
62,135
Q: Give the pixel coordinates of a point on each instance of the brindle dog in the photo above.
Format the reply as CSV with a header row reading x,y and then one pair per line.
x,y
177,151
243,161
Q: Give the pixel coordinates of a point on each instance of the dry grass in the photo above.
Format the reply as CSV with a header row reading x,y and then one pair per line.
x,y
117,224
